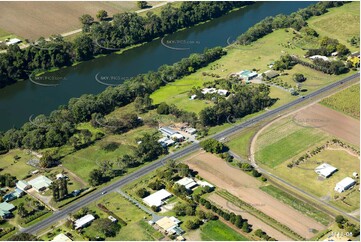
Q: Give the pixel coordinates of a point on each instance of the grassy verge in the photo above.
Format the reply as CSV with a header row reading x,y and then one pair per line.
x,y
260,215
297,204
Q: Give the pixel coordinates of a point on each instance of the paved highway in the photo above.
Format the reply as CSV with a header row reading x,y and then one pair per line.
x,y
58,215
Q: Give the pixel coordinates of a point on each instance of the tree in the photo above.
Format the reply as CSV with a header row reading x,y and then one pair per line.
x,y
238,221
163,108
106,227
298,77
22,211
189,224
142,4
245,227
340,219
213,146
86,19
96,177
142,192
102,14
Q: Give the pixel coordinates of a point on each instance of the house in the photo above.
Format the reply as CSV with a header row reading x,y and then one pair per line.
x,y
5,209
83,221
111,218
194,96
189,183
177,137
13,195
222,92
170,225
247,75
205,184
13,41
271,74
209,90
319,57
166,131
40,183
23,185
61,238
344,184
334,53
157,199
190,130
325,170
165,141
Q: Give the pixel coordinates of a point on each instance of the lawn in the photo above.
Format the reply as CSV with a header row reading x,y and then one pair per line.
x,y
347,101
324,188
137,227
340,23
240,142
218,231
297,204
283,140
17,168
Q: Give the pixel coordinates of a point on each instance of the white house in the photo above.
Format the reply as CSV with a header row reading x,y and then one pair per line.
x,y
189,183
13,41
165,141
209,90
157,199
325,170
319,57
222,92
344,184
83,221
170,225
190,130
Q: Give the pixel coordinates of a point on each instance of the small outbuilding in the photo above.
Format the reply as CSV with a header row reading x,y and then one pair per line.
x,y
344,184
13,41
190,130
325,170
270,74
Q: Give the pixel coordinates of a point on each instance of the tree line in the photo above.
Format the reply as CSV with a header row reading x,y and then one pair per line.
x,y
104,37
295,20
58,128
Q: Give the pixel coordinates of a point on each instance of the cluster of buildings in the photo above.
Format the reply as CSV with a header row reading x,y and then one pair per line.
x,y
39,183
326,170
171,136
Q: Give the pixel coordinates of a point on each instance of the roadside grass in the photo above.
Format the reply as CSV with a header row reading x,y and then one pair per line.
x,y
281,149
297,204
240,143
340,23
17,168
347,101
218,231
304,177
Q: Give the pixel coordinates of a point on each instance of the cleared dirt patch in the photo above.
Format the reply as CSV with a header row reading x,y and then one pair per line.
x,y
35,19
330,121
236,182
256,223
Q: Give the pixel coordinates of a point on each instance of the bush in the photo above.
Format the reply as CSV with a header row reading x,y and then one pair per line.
x,y
213,146
142,193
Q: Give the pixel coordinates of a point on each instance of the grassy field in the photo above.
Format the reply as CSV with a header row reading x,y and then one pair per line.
x,y
137,227
17,168
283,140
240,143
297,204
340,23
324,188
218,231
347,101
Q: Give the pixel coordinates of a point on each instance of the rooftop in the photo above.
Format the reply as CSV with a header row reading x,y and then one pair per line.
x,y
40,182
157,198
83,221
61,238
187,182
325,170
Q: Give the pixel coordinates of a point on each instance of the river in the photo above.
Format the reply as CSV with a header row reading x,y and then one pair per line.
x,y
20,101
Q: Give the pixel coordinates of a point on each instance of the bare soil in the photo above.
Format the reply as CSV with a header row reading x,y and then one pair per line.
x,y
32,20
330,121
245,187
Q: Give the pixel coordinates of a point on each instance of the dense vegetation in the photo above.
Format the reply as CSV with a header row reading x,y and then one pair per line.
x,y
104,37
295,20
59,127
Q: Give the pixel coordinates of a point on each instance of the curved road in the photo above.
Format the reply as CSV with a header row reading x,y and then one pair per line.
x,y
61,214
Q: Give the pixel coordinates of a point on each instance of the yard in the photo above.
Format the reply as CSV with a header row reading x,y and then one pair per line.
x,y
347,101
16,167
218,231
324,188
341,23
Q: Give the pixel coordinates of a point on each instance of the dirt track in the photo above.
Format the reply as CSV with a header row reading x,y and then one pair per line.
x,y
330,121
256,223
216,171
35,19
